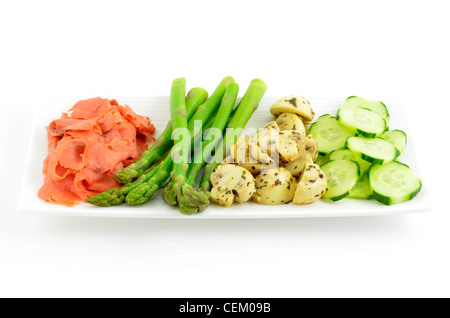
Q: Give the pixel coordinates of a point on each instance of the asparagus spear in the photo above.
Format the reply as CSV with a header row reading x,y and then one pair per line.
x,y
191,200
194,99
116,196
247,106
220,122
180,150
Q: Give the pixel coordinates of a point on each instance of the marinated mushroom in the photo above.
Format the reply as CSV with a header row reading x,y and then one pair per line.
x,y
297,166
266,138
312,185
291,145
293,104
249,156
290,121
274,186
231,183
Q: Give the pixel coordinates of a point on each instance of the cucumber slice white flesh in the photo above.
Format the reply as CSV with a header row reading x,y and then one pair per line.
x,y
373,105
347,154
397,138
374,150
393,183
342,176
361,190
329,134
362,121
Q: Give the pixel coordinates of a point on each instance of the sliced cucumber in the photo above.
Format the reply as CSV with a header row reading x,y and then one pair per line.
x,y
364,165
393,183
342,175
347,154
322,159
373,105
329,134
397,138
361,189
374,150
341,154
362,121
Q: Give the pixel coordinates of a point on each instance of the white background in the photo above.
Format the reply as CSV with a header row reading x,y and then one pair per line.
x,y
314,48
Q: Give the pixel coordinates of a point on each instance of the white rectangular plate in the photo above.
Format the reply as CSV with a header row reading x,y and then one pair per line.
x,y
157,108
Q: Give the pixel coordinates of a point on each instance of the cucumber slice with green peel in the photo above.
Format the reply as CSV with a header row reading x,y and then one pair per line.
x,y
362,121
393,183
347,154
397,138
329,134
373,105
374,150
361,189
388,121
342,176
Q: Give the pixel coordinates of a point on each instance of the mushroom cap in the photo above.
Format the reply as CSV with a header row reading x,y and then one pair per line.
x,y
297,166
290,121
231,183
312,185
275,186
293,104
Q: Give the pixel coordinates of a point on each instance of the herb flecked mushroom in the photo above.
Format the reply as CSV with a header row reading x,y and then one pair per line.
x,y
290,121
275,186
293,104
312,185
231,183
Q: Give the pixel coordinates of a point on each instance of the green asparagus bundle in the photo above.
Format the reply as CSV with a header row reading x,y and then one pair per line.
x,y
169,194
145,191
194,99
182,190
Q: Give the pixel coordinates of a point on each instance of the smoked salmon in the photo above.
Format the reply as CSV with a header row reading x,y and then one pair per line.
x,y
86,145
